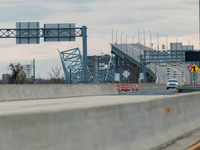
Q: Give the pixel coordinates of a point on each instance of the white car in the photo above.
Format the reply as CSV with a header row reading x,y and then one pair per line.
x,y
171,83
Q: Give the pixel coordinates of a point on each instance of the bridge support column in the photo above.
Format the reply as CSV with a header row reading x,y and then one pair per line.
x,y
131,71
134,70
116,63
120,68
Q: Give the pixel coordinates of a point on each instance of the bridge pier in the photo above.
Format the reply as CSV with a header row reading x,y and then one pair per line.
x,y
134,73
133,69
125,62
116,63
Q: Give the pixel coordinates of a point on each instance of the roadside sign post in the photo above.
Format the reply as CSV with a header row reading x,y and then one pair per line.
x,y
189,69
126,74
194,75
194,70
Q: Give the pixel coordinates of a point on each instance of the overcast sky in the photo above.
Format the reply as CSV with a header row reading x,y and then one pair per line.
x,y
175,18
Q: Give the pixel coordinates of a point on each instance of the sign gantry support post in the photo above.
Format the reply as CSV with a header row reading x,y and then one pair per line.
x,y
84,35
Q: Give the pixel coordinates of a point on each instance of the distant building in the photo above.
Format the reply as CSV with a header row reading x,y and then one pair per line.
x,y
5,78
188,47
179,46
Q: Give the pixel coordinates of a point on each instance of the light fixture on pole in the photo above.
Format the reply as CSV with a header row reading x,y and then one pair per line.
x,y
166,43
138,34
116,36
140,57
176,39
133,39
144,36
133,45
158,40
176,42
150,40
126,43
121,40
140,46
188,44
112,36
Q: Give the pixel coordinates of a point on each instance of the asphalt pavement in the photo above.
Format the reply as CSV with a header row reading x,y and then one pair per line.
x,y
161,71
152,91
190,142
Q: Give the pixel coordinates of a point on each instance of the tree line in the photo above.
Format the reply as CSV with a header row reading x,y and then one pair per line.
x,y
18,75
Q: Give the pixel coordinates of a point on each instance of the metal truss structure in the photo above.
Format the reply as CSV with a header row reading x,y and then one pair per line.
x,y
30,33
41,32
72,62
109,74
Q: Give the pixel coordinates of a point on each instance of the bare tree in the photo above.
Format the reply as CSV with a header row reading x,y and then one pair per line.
x,y
18,75
55,75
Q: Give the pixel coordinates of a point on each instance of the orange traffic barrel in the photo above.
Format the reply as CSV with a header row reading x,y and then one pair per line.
x,y
132,88
123,87
118,87
137,89
127,87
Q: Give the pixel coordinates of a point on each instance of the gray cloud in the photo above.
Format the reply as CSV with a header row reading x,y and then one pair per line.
x,y
75,1
125,20
24,12
196,2
81,8
161,8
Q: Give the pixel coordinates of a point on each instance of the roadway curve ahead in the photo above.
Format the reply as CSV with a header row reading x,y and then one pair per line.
x,y
134,51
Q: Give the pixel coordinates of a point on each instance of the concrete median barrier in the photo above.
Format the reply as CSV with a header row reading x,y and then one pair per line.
x,y
41,91
102,123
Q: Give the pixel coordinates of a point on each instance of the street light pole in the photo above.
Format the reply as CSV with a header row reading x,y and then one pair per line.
x,y
140,45
140,57
158,39
176,42
138,35
144,36
150,39
121,40
166,42
126,43
176,45
188,44
133,39
133,45
140,51
112,36
116,36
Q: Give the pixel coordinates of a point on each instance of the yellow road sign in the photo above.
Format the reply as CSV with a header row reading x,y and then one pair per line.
x,y
196,68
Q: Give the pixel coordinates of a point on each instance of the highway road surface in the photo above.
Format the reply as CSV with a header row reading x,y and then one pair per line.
x,y
53,106
135,52
151,91
191,142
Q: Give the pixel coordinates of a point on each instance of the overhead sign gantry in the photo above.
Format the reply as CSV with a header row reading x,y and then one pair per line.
x,y
30,33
